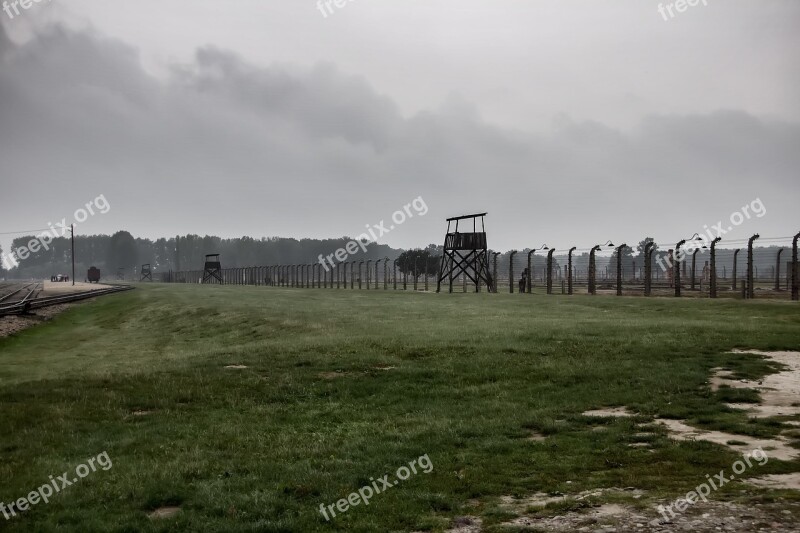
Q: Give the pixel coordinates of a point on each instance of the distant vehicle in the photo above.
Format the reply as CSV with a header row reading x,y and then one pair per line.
x,y
59,277
93,275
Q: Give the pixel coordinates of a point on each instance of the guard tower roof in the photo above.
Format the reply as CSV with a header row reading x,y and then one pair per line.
x,y
466,216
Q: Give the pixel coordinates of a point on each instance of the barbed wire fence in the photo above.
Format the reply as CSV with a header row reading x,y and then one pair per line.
x,y
744,268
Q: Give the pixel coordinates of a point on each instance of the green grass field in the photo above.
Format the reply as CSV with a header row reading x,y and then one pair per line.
x,y
343,386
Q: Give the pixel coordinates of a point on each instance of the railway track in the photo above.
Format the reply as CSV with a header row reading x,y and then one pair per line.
x,y
24,299
18,293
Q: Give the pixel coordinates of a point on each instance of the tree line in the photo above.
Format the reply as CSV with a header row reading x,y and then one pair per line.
x,y
121,250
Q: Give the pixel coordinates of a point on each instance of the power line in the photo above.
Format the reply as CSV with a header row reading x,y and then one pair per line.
x,y
23,232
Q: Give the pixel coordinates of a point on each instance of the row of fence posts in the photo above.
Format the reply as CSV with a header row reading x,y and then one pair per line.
x,y
748,284
317,275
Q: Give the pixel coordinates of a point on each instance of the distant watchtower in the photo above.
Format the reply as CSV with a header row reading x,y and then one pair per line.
x,y
465,253
145,273
212,272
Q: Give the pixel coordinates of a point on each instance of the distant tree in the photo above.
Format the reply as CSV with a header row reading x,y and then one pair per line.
x,y
642,244
426,263
627,263
122,252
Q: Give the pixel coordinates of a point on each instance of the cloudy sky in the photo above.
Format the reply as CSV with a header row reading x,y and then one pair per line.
x,y
570,122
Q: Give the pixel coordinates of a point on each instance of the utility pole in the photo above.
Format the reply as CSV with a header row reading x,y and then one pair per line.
x,y
72,231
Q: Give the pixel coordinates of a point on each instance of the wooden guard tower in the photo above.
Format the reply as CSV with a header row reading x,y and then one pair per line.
x,y
145,273
212,272
465,253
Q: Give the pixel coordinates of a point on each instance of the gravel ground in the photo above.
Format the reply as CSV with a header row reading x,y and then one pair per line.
x,y
712,516
10,325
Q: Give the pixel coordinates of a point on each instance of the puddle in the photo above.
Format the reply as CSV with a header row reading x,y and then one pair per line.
x,y
235,367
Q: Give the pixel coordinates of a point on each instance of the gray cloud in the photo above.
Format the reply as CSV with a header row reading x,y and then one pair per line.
x,y
223,146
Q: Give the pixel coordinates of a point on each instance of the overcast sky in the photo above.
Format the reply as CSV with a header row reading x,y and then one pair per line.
x,y
570,122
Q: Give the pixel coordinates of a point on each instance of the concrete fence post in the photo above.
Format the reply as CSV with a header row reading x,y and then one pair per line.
x,y
494,272
648,268
778,271
529,280
620,249
593,269
713,273
750,288
569,270
677,260
795,270
511,271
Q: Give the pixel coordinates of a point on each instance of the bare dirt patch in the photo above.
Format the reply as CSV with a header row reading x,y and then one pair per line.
x,y
777,481
611,412
774,448
332,375
541,499
465,524
164,512
779,392
235,367
536,437
720,377
711,516
50,288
